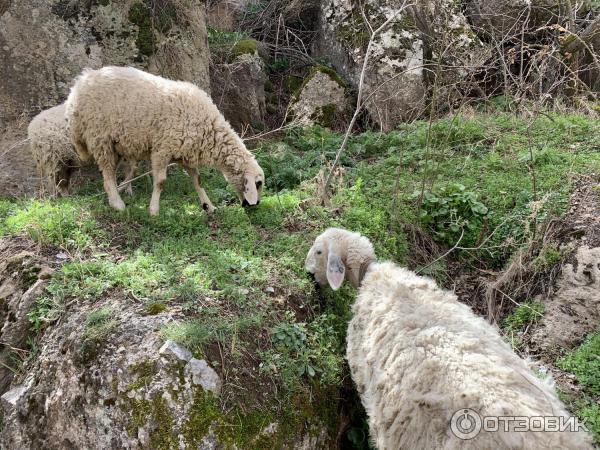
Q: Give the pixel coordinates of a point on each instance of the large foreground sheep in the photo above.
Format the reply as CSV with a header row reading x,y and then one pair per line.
x,y
418,356
54,155
123,112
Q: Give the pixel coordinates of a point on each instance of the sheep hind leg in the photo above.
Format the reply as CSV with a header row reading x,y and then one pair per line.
x,y
204,200
110,186
64,179
159,175
130,167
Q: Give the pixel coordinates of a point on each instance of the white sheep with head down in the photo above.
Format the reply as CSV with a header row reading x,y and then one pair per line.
x,y
54,155
122,112
418,356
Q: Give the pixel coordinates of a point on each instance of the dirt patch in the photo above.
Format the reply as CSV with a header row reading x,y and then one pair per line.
x,y
573,309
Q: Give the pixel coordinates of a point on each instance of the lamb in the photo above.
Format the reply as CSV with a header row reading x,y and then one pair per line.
x,y
124,112
54,155
418,357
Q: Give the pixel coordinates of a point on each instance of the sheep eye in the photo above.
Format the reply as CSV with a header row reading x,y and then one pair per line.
x,y
258,184
319,252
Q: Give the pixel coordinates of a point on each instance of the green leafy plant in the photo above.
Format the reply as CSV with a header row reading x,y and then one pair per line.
x,y
584,362
451,212
524,315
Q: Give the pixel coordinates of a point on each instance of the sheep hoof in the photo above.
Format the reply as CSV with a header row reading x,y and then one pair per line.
x,y
118,204
153,211
208,208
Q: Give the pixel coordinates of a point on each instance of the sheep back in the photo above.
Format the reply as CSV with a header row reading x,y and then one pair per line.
x,y
417,355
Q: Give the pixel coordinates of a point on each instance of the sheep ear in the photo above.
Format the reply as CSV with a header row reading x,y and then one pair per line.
x,y
335,271
250,191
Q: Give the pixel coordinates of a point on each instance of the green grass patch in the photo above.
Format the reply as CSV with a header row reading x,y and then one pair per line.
x,y
584,362
237,275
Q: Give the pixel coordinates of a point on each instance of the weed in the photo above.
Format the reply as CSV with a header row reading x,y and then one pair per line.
x,y
584,362
523,316
452,212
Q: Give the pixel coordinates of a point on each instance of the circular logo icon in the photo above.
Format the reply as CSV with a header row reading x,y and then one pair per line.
x,y
465,424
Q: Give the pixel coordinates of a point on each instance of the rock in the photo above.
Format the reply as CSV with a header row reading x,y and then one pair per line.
x,y
322,100
396,86
573,311
23,278
45,45
506,18
104,386
176,351
238,90
204,375
10,399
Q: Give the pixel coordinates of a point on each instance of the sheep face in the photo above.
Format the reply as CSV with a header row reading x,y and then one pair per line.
x,y
339,255
249,184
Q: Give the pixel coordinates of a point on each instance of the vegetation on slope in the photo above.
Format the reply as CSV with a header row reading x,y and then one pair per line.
x,y
481,182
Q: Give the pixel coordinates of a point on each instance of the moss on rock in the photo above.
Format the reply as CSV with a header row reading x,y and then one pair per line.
x,y
149,23
244,47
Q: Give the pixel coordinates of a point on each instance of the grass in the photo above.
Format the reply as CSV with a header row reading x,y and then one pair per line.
x,y
238,276
584,362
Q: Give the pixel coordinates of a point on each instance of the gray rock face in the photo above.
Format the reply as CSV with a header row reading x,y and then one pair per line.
x,y
204,375
238,90
44,45
176,351
322,100
400,71
23,276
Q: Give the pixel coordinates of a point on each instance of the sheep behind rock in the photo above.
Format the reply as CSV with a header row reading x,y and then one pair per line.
x,y
54,154
124,112
417,356
51,148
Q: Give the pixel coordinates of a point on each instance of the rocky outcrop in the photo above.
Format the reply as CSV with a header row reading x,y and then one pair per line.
x,y
23,277
238,89
322,99
44,45
105,377
428,46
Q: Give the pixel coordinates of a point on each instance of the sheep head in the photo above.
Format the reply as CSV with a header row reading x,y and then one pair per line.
x,y
248,183
338,255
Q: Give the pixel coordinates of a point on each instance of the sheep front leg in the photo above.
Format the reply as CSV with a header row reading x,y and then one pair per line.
x,y
159,174
204,200
110,186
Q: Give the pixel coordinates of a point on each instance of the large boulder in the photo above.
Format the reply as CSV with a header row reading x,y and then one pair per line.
x,y
426,46
45,44
322,99
238,88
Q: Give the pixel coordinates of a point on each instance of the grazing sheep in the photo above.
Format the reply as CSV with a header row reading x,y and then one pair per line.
x,y
124,112
417,356
54,155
